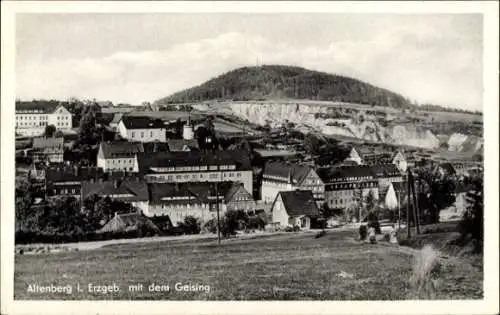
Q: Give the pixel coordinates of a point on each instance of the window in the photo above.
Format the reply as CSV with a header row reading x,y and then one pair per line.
x,y
142,134
133,134
151,134
238,174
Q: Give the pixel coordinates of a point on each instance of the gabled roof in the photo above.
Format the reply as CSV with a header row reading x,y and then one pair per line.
x,y
126,190
299,202
45,107
385,170
118,149
142,122
343,173
190,193
192,158
44,143
156,146
129,222
116,118
179,144
295,173
71,174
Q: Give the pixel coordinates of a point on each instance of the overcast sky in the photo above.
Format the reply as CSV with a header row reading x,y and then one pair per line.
x,y
142,57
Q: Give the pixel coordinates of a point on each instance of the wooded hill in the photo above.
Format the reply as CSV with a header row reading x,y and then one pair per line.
x,y
286,82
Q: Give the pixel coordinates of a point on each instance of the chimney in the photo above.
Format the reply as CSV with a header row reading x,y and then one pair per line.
x,y
76,171
116,183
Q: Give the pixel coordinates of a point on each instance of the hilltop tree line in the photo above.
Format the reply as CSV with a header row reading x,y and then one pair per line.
x,y
259,83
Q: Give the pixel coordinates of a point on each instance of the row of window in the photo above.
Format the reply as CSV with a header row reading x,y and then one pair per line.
x,y
195,176
193,168
119,161
142,134
41,117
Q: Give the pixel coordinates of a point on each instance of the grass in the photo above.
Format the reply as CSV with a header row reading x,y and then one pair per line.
x,y
277,267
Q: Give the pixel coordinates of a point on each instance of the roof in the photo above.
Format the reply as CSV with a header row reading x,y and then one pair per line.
x,y
71,174
180,144
155,146
190,193
343,173
378,158
141,122
294,172
43,142
129,189
41,107
299,202
117,149
385,170
193,158
129,222
116,118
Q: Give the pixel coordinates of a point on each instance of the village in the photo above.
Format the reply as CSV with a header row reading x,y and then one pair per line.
x,y
142,171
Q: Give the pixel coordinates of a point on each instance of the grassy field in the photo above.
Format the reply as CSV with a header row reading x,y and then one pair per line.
x,y
278,267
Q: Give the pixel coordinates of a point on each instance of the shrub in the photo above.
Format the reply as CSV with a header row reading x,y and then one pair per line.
x,y
210,226
190,225
363,232
256,222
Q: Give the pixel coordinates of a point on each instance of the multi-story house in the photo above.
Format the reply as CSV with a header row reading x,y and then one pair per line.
x,y
67,180
280,176
197,166
119,156
48,150
178,200
362,156
176,145
386,174
347,185
142,129
132,190
31,119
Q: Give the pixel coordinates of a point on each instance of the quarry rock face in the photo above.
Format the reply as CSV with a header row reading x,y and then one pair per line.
x,y
358,125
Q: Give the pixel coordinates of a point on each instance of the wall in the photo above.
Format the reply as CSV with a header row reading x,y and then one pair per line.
x,y
215,176
142,135
270,190
279,214
177,213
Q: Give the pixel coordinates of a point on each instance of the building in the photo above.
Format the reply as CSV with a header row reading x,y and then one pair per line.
x,y
32,118
188,130
280,176
130,222
117,117
294,208
348,185
48,150
386,174
132,190
178,200
119,156
67,180
362,156
197,166
142,129
176,145
388,197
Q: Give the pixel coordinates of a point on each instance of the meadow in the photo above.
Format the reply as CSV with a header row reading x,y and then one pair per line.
x,y
287,266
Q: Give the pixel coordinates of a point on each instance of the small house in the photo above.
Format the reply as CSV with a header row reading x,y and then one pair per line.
x,y
294,208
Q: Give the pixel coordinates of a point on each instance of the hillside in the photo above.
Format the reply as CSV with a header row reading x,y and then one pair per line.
x,y
286,82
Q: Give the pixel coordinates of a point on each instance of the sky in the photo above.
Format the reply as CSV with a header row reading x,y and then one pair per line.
x,y
131,58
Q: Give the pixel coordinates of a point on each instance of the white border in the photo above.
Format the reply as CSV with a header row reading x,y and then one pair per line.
x,y
490,111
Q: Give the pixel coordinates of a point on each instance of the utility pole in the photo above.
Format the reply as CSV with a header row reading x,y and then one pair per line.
x,y
415,205
399,211
408,206
217,207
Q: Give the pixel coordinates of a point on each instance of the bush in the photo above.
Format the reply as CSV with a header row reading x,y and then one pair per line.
x,y
363,232
210,226
256,223
190,225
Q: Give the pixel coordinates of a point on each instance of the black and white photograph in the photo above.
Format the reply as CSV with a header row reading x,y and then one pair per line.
x,y
236,155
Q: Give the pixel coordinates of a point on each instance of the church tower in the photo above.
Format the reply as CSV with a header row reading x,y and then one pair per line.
x,y
187,131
